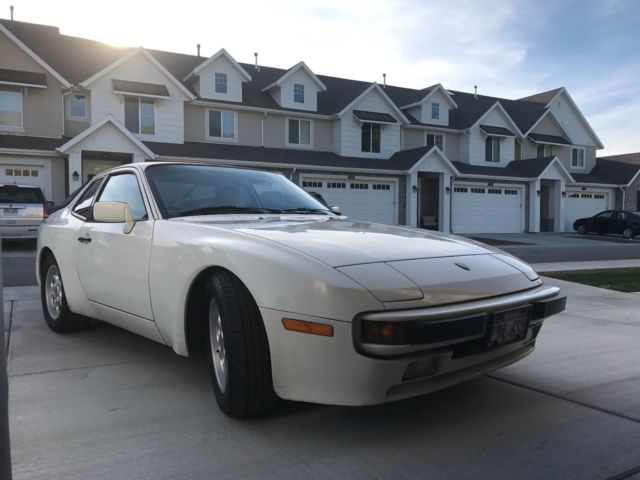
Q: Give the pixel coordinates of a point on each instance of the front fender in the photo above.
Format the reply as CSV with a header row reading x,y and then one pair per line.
x,y
278,277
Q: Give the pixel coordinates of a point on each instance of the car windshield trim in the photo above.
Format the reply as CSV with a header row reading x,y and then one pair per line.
x,y
321,211
224,209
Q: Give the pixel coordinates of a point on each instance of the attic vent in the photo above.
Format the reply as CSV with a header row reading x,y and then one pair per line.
x,y
257,66
198,47
11,8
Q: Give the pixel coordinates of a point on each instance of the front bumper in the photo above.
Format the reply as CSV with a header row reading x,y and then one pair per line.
x,y
338,370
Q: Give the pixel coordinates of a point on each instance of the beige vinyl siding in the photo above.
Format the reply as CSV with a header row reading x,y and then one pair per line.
x,y
169,112
285,94
412,139
444,110
570,121
41,107
452,146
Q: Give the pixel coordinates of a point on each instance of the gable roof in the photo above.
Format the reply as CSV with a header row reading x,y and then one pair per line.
x,y
28,142
609,172
220,53
298,66
527,168
15,39
149,57
543,97
431,91
633,158
99,124
385,97
498,106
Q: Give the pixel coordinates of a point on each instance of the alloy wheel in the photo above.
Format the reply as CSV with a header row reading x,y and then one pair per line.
x,y
218,350
53,291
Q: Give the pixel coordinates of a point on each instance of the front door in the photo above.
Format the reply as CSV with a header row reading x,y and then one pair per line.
x,y
113,266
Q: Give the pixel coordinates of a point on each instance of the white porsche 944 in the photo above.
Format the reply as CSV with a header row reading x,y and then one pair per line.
x,y
289,299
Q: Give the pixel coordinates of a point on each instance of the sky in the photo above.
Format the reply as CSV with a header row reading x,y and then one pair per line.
x,y
508,48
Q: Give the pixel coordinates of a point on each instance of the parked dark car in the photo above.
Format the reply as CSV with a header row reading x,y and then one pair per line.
x,y
610,221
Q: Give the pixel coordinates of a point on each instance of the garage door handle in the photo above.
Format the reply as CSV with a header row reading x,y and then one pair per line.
x,y
84,239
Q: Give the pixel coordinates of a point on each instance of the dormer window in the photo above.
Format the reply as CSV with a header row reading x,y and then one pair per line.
x,y
78,106
140,115
11,107
298,93
221,82
435,111
371,137
577,158
544,150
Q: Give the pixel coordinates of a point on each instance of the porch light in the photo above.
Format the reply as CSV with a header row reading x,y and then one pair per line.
x,y
75,176
414,188
564,194
447,190
538,192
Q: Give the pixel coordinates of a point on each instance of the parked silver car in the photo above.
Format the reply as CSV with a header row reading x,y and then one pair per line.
x,y
22,210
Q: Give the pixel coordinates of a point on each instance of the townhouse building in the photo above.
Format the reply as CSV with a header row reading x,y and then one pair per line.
x,y
431,158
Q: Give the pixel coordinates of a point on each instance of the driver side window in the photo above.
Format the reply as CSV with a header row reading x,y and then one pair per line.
x,y
124,188
83,207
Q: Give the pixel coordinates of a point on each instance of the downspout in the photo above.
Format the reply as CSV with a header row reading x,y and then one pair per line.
x,y
262,129
624,191
292,173
451,179
64,94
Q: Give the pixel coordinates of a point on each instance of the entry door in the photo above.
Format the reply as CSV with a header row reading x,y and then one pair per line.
x,y
113,266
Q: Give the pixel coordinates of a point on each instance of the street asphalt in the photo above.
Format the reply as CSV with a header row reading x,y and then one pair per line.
x,y
107,404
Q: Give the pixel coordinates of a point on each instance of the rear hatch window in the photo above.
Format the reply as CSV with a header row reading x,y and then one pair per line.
x,y
16,194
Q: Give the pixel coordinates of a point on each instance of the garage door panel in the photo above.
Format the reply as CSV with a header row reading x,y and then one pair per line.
x,y
370,200
581,204
479,209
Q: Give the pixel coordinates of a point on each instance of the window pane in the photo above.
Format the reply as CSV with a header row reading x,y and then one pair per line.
x,y
221,82
487,150
305,132
124,188
430,140
147,116
298,93
375,138
496,149
440,141
83,207
366,137
78,106
228,125
131,114
435,110
11,107
294,131
215,123
540,151
548,150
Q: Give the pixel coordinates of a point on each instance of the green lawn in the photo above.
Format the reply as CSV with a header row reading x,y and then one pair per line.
x,y
620,279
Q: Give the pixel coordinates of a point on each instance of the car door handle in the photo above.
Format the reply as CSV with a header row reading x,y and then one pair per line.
x,y
84,239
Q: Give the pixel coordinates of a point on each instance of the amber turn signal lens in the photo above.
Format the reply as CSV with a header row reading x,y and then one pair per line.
x,y
385,333
312,328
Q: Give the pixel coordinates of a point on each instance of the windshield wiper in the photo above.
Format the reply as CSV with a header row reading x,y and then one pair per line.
x,y
305,210
222,209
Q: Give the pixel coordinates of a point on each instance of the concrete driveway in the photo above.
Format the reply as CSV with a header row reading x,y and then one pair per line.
x,y
106,404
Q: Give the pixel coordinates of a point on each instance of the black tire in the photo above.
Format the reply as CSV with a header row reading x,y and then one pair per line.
x,y
582,229
246,389
60,319
628,233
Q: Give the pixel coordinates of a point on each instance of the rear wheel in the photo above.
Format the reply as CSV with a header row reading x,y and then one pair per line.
x,y
54,301
238,349
582,229
628,233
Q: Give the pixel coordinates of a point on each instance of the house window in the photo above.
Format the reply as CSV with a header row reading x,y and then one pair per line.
x,y
222,124
298,93
10,107
435,111
221,82
545,151
577,158
492,149
435,139
78,106
299,132
139,115
371,137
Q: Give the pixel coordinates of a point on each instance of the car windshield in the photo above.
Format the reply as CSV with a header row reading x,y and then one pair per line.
x,y
183,190
16,194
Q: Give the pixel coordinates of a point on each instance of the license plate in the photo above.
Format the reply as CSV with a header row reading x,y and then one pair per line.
x,y
508,326
10,211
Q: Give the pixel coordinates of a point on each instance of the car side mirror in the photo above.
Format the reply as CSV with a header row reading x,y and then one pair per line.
x,y
114,212
335,209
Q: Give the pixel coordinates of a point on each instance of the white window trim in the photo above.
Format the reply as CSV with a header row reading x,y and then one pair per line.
x,y
155,117
69,116
13,128
209,138
584,158
493,138
444,138
438,104
298,145
216,92
304,94
371,152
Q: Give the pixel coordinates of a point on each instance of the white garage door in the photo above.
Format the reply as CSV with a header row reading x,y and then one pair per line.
x,y
370,200
480,209
23,175
583,204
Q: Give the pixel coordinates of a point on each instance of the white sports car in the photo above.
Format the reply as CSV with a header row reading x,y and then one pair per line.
x,y
290,299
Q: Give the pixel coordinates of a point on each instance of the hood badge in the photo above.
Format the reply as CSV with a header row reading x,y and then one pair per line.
x,y
462,266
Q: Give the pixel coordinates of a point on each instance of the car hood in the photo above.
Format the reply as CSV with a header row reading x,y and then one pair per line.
x,y
344,242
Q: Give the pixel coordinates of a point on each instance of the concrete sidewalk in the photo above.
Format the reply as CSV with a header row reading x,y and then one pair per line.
x,y
107,404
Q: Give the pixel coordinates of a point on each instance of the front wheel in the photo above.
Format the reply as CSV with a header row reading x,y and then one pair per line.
x,y
56,311
238,349
628,233
582,229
